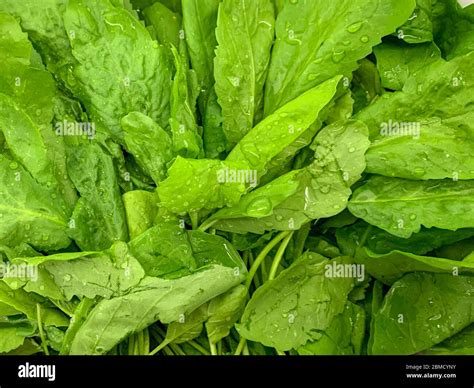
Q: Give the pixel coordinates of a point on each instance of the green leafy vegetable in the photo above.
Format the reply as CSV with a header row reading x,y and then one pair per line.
x,y
236,177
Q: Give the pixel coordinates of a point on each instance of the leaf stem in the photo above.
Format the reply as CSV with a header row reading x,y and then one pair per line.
x,y
199,348
262,256
194,216
279,256
177,350
256,279
212,347
206,225
240,346
41,332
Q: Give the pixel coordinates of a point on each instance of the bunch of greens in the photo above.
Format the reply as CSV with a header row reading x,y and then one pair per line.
x,y
236,177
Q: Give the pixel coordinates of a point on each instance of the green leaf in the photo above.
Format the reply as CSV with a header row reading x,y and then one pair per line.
x,y
167,250
366,86
442,90
390,267
199,22
111,321
141,208
401,207
224,311
421,310
397,62
14,44
453,28
10,339
279,130
461,343
187,329
204,184
301,301
130,72
30,213
186,139
320,190
82,274
245,30
98,219
166,23
437,151
418,28
318,40
150,145
28,348
343,337
361,235
26,303
44,24
80,315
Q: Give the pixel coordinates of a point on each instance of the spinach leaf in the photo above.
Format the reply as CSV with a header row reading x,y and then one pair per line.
x,y
401,207
153,300
392,266
317,40
294,307
422,310
148,143
343,337
245,30
130,72
99,216
319,190
82,274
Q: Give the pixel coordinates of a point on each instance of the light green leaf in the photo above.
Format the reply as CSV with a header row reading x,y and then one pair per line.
x,y
245,30
317,40
421,310
401,207
111,321
291,309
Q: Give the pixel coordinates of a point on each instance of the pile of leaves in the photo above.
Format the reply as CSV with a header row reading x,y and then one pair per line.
x,y
236,177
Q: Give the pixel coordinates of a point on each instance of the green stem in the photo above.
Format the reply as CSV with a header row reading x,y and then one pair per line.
x,y
160,347
262,256
212,347
279,256
263,271
194,216
199,348
131,345
280,353
246,351
177,350
240,346
146,342
158,335
41,332
206,225
256,279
